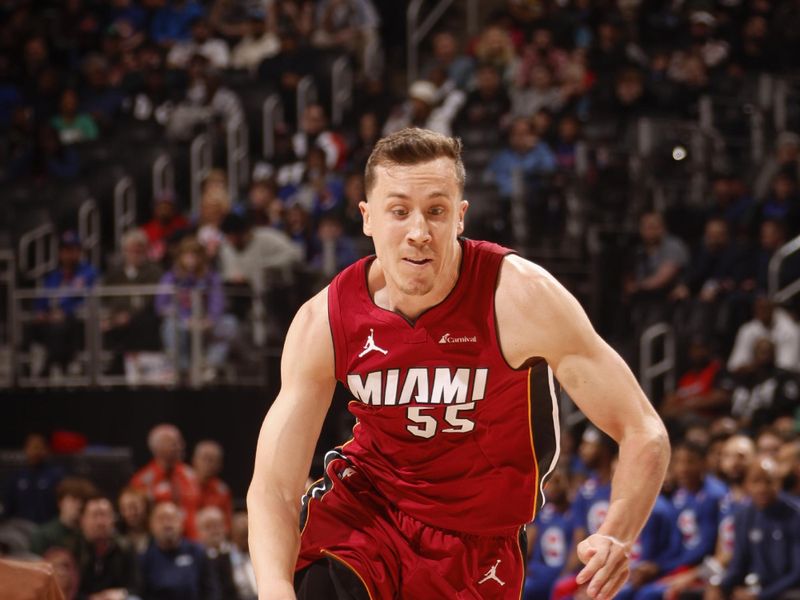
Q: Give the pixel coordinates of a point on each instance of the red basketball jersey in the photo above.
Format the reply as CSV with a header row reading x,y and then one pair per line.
x,y
447,430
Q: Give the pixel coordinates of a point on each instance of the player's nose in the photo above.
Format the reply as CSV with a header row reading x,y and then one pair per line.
x,y
419,230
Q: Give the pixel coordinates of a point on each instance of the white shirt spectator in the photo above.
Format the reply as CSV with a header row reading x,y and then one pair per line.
x,y
267,249
252,50
215,50
784,334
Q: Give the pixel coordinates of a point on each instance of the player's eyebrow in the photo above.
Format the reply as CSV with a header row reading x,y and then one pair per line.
x,y
432,194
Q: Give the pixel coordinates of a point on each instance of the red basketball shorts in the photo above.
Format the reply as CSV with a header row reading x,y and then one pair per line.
x,y
396,556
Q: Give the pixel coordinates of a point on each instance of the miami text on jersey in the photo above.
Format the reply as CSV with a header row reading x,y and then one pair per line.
x,y
420,385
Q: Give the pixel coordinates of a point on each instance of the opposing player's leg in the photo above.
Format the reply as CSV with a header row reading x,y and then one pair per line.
x,y
328,579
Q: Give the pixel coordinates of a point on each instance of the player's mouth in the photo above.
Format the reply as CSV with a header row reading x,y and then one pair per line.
x,y
418,262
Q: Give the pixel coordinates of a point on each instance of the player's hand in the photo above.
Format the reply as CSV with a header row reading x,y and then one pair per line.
x,y
606,569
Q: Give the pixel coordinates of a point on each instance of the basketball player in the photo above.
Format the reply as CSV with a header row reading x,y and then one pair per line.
x,y
451,349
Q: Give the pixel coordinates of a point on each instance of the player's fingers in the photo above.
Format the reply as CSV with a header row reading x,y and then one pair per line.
x,y
614,583
615,561
592,566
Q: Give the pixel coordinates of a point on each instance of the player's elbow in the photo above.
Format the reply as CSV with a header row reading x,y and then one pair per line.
x,y
654,446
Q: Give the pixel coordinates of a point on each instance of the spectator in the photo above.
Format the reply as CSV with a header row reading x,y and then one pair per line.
x,y
354,26
63,531
260,195
134,512
765,559
786,158
65,571
244,576
772,323
52,159
201,42
363,142
191,272
207,465
549,538
426,109
57,324
132,325
165,224
73,127
257,44
659,260
166,477
354,195
173,567
30,493
541,93
783,202
102,98
172,22
768,442
789,464
456,66
495,47
314,132
525,154
764,391
488,105
295,15
212,528
337,250
153,102
256,255
699,390
106,564
730,201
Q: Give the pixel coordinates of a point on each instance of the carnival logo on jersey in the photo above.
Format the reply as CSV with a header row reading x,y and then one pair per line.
x,y
422,385
370,345
449,339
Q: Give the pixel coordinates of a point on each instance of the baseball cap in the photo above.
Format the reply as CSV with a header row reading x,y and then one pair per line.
x,y
425,91
165,196
69,238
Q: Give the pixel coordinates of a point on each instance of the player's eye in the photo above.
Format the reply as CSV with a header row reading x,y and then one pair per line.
x,y
399,212
437,211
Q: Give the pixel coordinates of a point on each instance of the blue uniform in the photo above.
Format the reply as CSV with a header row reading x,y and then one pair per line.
x,y
728,507
591,505
180,574
549,555
768,545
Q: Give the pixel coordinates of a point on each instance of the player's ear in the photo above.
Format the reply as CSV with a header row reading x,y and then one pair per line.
x,y
364,208
462,210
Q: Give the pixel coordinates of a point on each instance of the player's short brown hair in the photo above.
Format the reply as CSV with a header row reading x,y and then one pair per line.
x,y
413,146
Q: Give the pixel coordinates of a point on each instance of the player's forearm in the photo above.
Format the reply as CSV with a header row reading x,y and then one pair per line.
x,y
643,459
274,536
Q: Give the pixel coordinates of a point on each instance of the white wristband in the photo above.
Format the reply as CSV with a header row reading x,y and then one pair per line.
x,y
617,542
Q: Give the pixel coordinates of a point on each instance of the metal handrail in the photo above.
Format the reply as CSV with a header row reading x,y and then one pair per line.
x,y
8,278
666,366
341,89
271,116
778,294
163,175
124,208
238,155
201,162
306,95
44,243
89,229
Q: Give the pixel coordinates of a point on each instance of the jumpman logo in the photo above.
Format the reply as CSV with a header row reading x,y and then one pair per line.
x,y
492,574
370,345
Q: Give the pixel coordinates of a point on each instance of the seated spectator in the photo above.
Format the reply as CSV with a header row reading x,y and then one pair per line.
x,y
134,512
166,222
525,154
257,43
768,442
153,102
314,132
783,202
167,477
260,195
565,146
297,15
495,46
488,105
767,533
336,250
354,195
697,502
201,42
190,273
172,21
426,109
456,66
772,323
313,184
773,235
73,127
730,200
63,531
172,566
352,25
244,576
30,492
542,92
107,566
659,260
52,159
698,391
785,157
788,460
132,325
362,143
56,322
65,571
207,465
764,391
549,538
212,530
102,98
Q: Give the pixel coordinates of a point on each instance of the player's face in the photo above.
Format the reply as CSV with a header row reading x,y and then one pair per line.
x,y
414,215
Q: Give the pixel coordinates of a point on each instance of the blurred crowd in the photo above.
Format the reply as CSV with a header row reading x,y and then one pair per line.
x,y
171,532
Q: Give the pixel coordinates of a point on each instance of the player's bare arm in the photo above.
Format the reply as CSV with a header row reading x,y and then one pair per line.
x,y
537,317
286,446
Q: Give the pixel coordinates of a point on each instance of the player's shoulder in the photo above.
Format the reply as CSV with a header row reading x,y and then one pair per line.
x,y
524,277
314,311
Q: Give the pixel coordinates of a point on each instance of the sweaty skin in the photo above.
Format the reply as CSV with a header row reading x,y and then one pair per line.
x,y
414,215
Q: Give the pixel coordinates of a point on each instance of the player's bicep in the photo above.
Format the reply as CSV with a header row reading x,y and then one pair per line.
x,y
292,425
